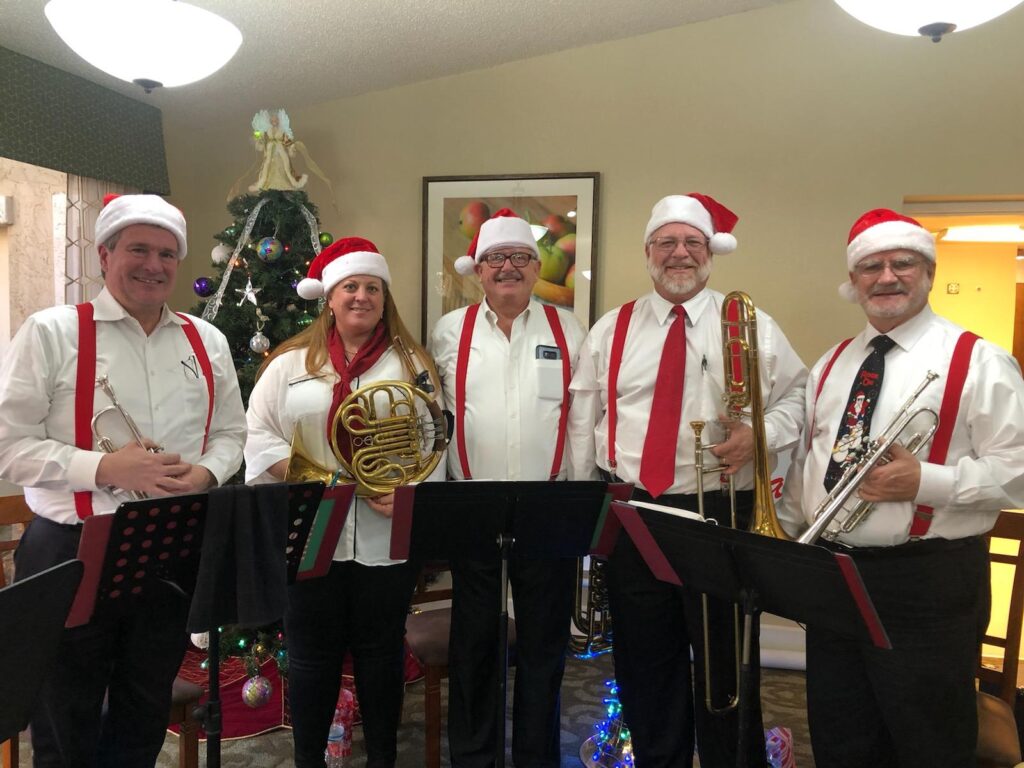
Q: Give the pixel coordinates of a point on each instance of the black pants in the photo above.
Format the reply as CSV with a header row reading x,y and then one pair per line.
x,y
357,608
656,624
132,660
914,705
542,593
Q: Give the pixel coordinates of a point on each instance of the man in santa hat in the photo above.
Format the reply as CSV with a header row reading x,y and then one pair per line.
x,y
173,374
647,370
505,366
921,551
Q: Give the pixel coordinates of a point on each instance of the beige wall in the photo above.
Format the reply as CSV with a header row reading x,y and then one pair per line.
x,y
796,116
27,246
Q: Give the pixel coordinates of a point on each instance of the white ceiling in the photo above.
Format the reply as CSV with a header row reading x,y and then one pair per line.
x,y
300,52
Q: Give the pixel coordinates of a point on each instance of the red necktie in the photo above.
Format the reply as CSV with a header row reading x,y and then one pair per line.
x,y
658,463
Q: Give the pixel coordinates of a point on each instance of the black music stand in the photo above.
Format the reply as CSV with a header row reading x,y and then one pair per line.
x,y
486,520
32,615
808,584
143,541
260,542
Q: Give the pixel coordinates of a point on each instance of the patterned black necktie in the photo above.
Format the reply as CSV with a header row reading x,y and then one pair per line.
x,y
855,425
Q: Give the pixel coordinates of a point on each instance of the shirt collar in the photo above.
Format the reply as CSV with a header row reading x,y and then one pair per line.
x,y
108,309
695,306
492,316
907,333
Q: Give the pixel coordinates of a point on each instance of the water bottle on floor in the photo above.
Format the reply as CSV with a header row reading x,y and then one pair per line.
x,y
334,756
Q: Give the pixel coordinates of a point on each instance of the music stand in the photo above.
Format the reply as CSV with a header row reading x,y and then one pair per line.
x,y
485,520
808,584
141,541
32,615
314,523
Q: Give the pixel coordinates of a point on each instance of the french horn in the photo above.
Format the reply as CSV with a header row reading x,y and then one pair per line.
x,y
393,442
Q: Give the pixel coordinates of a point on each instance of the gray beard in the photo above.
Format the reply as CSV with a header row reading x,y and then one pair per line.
x,y
681,285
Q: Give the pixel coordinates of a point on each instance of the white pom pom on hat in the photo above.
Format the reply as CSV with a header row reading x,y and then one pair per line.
x,y
882,229
342,258
120,211
503,229
702,212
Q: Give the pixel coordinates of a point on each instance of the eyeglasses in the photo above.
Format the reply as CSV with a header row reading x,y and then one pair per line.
x,y
899,267
667,245
519,259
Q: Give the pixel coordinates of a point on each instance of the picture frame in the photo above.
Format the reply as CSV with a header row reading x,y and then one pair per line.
x,y
564,204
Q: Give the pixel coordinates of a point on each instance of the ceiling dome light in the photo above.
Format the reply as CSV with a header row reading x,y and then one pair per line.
x,y
931,18
148,42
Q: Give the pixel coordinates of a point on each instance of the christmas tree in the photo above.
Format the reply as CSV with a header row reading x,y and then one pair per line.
x,y
261,256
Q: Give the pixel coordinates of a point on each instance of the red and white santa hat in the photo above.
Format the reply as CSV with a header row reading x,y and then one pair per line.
x,y
342,258
120,211
503,229
881,230
700,211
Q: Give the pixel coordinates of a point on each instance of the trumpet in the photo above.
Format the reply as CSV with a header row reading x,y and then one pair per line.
x,y
876,454
742,392
105,443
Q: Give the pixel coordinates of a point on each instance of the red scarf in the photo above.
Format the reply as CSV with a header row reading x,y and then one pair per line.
x,y
365,358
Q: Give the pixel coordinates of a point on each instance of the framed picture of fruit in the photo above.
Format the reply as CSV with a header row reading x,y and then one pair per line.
x,y
562,207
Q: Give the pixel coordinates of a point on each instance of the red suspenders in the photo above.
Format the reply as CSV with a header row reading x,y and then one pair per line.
x,y
462,366
614,362
85,388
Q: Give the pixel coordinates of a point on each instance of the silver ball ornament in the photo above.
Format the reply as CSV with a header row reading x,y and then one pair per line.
x,y
221,253
259,343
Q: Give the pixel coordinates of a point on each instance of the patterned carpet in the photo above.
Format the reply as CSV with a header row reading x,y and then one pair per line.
x,y
783,700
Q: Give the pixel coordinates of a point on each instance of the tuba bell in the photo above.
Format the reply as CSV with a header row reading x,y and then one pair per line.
x,y
392,443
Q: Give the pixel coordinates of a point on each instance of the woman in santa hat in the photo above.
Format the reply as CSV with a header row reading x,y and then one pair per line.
x,y
360,606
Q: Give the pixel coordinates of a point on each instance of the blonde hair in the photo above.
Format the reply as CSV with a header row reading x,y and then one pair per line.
x,y
314,340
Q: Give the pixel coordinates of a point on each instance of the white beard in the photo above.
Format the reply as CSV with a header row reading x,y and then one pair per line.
x,y
679,286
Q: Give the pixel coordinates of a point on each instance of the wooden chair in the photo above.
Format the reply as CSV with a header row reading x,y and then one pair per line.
x,y
15,513
1000,701
427,632
14,516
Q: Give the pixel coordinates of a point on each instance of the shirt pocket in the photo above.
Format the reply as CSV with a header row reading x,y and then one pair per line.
x,y
549,379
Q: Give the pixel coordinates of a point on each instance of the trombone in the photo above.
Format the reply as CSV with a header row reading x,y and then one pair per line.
x,y
742,397
875,454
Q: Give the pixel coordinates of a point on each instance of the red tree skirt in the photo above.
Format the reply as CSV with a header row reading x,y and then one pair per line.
x,y
239,720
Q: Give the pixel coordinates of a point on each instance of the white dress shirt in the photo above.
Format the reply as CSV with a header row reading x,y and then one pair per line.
x,y
156,379
984,469
782,386
286,396
513,393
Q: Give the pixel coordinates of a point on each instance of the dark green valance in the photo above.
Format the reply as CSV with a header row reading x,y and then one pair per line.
x,y
57,120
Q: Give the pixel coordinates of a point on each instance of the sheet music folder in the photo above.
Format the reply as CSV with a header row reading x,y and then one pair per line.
x,y
32,615
444,520
802,582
